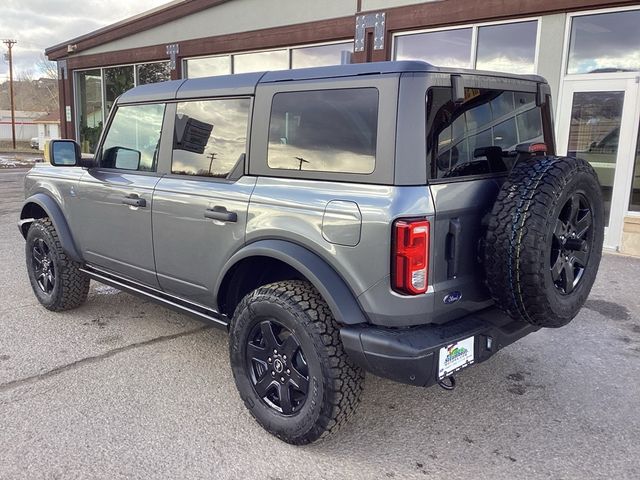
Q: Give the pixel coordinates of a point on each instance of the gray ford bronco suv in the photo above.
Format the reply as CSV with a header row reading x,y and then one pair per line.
x,y
394,217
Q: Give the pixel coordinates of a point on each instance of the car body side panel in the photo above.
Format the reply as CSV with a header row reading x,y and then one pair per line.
x,y
293,210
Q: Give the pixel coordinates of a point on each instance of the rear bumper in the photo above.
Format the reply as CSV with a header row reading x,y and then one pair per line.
x,y
410,355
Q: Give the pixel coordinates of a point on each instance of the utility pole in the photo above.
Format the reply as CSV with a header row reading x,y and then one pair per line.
x,y
10,44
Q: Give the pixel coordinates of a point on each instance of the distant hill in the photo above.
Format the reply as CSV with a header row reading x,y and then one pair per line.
x,y
31,95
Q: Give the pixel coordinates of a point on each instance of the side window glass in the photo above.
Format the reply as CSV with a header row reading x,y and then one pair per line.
x,y
133,139
210,137
324,130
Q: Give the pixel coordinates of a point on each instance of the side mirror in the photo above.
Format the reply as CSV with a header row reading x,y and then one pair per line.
x,y
126,158
62,153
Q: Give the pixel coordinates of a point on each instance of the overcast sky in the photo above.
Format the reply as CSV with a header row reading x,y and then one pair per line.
x,y
38,24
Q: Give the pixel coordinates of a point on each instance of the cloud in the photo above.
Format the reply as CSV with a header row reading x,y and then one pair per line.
x,y
38,24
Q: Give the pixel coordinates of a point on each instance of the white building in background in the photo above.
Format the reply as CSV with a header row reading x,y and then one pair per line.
x,y
26,127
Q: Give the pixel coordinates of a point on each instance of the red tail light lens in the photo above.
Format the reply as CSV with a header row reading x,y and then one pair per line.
x,y
538,148
410,262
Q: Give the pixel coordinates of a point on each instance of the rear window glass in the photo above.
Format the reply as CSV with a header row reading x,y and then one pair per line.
x,y
324,131
459,136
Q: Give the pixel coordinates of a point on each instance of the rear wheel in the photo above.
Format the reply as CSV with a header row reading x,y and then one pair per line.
x,y
56,280
544,240
289,365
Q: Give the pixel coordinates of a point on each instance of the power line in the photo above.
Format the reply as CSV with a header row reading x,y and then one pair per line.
x,y
10,44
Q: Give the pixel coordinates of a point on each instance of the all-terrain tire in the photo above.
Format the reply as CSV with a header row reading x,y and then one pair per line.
x,y
334,382
70,286
544,240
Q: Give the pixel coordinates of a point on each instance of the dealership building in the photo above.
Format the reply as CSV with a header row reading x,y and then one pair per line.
x,y
589,52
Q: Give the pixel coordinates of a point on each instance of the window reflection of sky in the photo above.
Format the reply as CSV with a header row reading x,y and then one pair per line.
x,y
605,41
327,130
226,142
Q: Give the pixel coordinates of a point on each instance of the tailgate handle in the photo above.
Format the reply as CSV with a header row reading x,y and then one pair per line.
x,y
453,247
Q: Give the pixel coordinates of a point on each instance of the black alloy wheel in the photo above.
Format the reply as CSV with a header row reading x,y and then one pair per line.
x,y
43,266
570,243
277,367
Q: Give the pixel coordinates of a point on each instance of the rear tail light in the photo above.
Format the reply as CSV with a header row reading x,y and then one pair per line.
x,y
410,256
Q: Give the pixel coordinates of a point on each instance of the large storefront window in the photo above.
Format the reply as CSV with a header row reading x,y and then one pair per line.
x,y
448,48
208,66
261,61
117,80
153,73
319,56
97,90
606,42
508,47
594,134
281,59
90,111
634,202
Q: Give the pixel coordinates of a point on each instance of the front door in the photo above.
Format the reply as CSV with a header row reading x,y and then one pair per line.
x,y
113,228
598,122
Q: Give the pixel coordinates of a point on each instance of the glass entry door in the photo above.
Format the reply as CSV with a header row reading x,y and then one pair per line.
x,y
597,122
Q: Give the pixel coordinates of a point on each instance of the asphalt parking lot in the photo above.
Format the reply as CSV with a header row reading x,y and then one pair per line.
x,y
122,388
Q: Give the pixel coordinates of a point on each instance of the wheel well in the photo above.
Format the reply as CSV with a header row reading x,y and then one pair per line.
x,y
249,274
31,210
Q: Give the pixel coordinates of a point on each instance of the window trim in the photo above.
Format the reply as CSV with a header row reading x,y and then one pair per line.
x,y
474,37
236,173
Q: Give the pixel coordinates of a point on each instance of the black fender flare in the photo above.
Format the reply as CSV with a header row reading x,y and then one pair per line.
x,y
341,300
54,212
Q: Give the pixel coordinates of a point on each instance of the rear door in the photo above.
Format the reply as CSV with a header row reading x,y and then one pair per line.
x,y
200,207
115,198
468,147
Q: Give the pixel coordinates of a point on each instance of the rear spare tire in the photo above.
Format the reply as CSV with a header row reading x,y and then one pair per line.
x,y
544,240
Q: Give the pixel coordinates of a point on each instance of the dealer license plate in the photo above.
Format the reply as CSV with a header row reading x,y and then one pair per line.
x,y
455,357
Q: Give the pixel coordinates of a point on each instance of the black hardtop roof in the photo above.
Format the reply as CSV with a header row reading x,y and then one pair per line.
x,y
246,83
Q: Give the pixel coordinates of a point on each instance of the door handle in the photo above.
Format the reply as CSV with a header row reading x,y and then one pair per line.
x,y
134,201
221,213
453,247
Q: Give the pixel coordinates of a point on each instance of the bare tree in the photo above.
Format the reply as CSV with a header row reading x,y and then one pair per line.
x,y
47,68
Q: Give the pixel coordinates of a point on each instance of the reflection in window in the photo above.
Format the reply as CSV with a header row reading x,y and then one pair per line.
x,y
634,202
448,48
319,56
593,135
606,42
509,47
261,61
153,72
210,137
324,130
133,138
89,101
476,137
208,66
117,80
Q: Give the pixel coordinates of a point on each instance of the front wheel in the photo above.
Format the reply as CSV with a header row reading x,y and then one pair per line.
x,y
289,365
56,280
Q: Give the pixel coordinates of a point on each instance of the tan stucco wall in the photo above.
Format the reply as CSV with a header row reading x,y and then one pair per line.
x,y
631,236
233,17
384,4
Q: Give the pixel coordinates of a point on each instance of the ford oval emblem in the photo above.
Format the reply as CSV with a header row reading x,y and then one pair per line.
x,y
452,297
